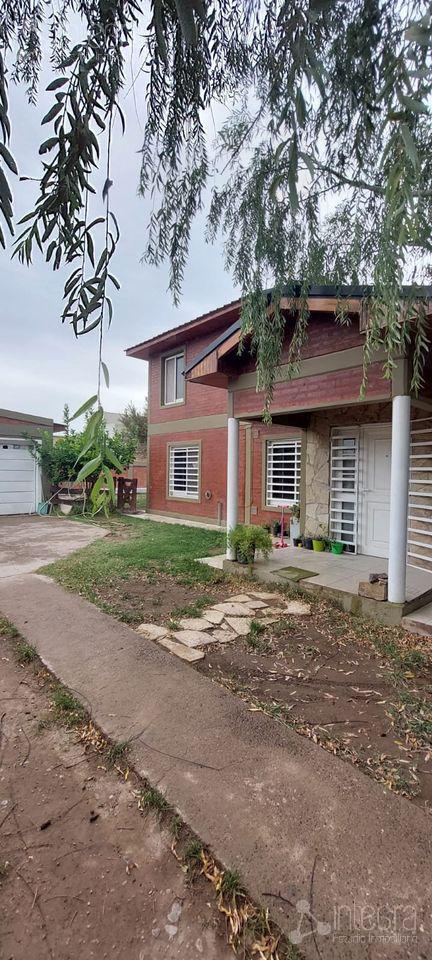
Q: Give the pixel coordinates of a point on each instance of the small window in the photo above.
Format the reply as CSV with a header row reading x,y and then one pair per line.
x,y
283,472
183,472
173,379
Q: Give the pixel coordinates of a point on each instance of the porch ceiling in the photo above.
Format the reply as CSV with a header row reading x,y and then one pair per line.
x,y
300,417
300,420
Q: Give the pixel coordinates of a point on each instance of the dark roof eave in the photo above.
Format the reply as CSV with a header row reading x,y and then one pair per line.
x,y
154,342
213,345
292,290
315,291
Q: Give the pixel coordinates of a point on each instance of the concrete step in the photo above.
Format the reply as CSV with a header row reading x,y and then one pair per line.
x,y
419,621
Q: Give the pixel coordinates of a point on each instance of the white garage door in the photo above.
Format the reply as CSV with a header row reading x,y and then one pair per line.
x,y
18,477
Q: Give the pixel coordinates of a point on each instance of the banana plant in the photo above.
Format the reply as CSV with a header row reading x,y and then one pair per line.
x,y
102,495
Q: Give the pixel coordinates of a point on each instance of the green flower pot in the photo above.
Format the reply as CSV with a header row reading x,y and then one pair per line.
x,y
318,545
337,547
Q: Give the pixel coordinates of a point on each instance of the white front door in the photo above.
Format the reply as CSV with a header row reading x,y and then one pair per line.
x,y
375,489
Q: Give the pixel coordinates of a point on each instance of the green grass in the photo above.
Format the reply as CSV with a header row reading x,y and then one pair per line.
x,y
231,882
117,752
8,630
149,547
193,852
176,826
405,659
26,653
389,641
194,609
152,799
254,639
141,501
67,709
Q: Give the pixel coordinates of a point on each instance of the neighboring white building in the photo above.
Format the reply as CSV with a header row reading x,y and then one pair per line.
x,y
113,422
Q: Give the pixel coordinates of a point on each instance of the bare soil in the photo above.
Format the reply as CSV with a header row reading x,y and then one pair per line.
x,y
344,682
82,872
151,598
323,675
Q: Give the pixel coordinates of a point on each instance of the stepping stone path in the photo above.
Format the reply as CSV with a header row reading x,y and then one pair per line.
x,y
185,653
230,609
298,608
195,623
223,622
241,625
213,616
193,638
224,636
152,631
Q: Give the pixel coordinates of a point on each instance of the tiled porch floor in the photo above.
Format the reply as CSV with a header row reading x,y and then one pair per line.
x,y
337,572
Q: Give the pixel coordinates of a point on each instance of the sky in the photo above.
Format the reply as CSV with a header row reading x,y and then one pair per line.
x,y
42,364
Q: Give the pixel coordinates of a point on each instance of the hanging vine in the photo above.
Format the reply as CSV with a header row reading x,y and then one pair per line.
x,y
322,170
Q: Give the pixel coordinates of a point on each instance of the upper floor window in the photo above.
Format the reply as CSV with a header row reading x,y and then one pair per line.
x,y
173,379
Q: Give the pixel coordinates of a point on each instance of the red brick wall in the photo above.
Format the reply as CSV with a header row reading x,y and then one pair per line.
x,y
341,386
200,400
260,434
138,472
324,336
213,473
327,336
24,426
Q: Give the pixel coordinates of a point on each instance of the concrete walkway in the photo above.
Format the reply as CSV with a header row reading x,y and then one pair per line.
x,y
27,543
178,521
299,824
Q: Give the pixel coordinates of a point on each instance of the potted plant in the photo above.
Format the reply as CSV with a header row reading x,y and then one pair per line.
x,y
297,541
307,542
247,540
295,521
319,540
336,546
276,528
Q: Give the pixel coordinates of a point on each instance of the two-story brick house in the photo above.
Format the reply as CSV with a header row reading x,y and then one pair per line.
x,y
187,441
328,448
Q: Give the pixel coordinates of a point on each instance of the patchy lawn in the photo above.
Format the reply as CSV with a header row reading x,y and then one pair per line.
x,y
144,570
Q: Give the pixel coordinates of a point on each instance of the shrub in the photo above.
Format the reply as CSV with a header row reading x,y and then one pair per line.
x,y
58,458
246,540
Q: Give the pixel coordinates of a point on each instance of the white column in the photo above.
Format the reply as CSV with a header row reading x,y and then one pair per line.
x,y
399,487
232,479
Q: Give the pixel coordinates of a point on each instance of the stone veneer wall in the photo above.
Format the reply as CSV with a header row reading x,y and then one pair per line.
x,y
317,480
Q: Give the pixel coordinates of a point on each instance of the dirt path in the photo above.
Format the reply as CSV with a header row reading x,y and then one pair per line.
x,y
82,872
